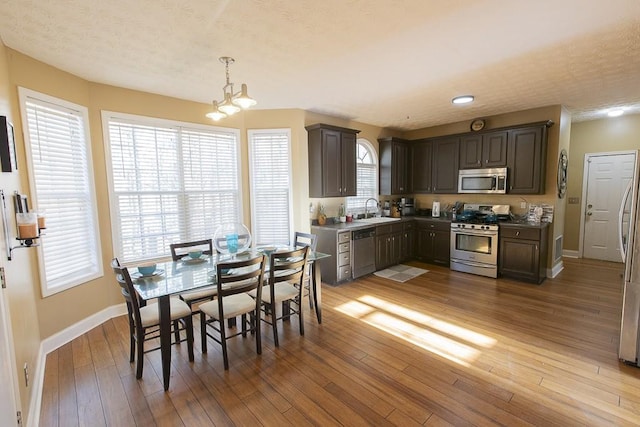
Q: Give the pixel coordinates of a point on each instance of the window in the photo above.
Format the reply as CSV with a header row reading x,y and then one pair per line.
x,y
58,152
367,176
270,162
169,182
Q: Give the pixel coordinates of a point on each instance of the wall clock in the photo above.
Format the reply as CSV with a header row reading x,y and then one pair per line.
x,y
477,124
563,162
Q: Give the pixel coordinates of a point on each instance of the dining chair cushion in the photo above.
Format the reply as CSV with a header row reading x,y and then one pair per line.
x,y
282,291
149,314
234,305
207,292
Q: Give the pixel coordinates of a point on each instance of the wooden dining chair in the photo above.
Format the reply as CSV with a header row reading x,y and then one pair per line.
x,y
306,239
144,321
234,280
181,250
285,285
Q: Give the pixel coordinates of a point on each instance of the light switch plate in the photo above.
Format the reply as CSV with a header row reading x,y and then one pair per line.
x,y
574,200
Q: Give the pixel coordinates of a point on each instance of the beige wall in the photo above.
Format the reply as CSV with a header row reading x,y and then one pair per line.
x,y
596,136
22,290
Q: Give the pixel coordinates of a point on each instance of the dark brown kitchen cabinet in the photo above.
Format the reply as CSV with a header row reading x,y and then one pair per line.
x,y
332,161
433,241
421,169
527,156
408,241
388,245
487,150
445,165
395,166
523,252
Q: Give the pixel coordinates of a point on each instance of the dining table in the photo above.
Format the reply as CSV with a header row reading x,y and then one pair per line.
x,y
175,277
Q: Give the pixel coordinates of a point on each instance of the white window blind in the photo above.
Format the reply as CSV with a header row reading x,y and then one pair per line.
x,y
61,174
270,170
170,182
367,177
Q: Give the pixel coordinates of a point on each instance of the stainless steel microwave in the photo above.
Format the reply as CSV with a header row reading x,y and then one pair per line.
x,y
482,181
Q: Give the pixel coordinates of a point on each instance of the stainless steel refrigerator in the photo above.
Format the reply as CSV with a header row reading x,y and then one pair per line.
x,y
629,231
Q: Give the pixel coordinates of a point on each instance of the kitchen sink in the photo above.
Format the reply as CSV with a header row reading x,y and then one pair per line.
x,y
377,220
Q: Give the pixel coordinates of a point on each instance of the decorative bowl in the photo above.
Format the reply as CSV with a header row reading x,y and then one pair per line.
x,y
147,270
195,254
268,250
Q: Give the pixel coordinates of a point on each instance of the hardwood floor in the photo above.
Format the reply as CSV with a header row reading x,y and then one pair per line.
x,y
445,348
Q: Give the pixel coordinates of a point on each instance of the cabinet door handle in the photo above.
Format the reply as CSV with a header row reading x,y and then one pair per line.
x,y
517,233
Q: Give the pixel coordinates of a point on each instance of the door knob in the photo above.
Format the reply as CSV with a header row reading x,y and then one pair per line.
x,y
589,206
589,213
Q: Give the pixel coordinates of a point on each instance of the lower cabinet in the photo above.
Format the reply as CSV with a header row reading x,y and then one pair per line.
x,y
388,245
434,241
336,268
408,241
523,253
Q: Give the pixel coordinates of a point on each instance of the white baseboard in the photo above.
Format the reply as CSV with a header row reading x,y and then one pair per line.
x,y
56,341
555,270
570,254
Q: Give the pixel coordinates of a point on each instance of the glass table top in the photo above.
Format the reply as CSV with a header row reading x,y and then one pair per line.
x,y
174,277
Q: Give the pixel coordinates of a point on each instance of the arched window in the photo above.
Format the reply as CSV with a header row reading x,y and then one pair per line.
x,y
367,176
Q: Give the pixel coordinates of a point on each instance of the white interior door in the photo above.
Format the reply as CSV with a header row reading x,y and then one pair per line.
x,y
607,176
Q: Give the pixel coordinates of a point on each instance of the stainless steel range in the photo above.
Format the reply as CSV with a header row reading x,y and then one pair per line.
x,y
474,239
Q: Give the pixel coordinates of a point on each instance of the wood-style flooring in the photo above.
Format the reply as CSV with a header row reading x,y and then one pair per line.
x,y
446,348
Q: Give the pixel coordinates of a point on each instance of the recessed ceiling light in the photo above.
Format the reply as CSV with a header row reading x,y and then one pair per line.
x,y
464,99
615,113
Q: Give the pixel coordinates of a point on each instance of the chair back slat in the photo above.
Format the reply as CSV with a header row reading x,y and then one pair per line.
x,y
124,280
305,239
289,266
180,250
247,276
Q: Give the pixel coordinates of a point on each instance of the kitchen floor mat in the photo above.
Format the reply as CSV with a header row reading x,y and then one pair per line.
x,y
400,272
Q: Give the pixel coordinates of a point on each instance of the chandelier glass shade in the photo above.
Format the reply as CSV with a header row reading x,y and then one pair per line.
x,y
231,102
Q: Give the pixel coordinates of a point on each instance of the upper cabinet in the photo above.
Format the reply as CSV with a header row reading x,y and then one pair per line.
x,y
395,166
444,178
487,150
434,165
526,159
332,161
421,165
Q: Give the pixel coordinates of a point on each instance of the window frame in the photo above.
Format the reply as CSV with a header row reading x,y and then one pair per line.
x,y
24,96
254,212
374,157
160,123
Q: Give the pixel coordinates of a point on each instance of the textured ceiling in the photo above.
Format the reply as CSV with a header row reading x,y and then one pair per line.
x,y
387,63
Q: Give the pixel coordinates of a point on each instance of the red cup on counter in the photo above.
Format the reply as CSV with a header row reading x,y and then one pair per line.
x,y
349,218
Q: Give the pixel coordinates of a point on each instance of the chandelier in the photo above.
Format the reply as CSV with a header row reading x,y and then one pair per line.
x,y
231,102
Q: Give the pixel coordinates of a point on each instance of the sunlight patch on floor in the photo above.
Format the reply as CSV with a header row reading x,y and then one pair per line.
x,y
430,321
455,343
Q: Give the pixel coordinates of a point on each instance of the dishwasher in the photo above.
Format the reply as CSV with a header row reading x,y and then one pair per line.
x,y
364,252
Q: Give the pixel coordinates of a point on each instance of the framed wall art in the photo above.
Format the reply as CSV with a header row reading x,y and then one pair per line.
x,y
8,160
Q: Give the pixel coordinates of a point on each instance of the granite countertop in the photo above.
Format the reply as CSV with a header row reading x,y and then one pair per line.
x,y
360,224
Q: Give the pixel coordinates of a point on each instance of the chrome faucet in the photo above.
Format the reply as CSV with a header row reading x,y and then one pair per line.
x,y
366,209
